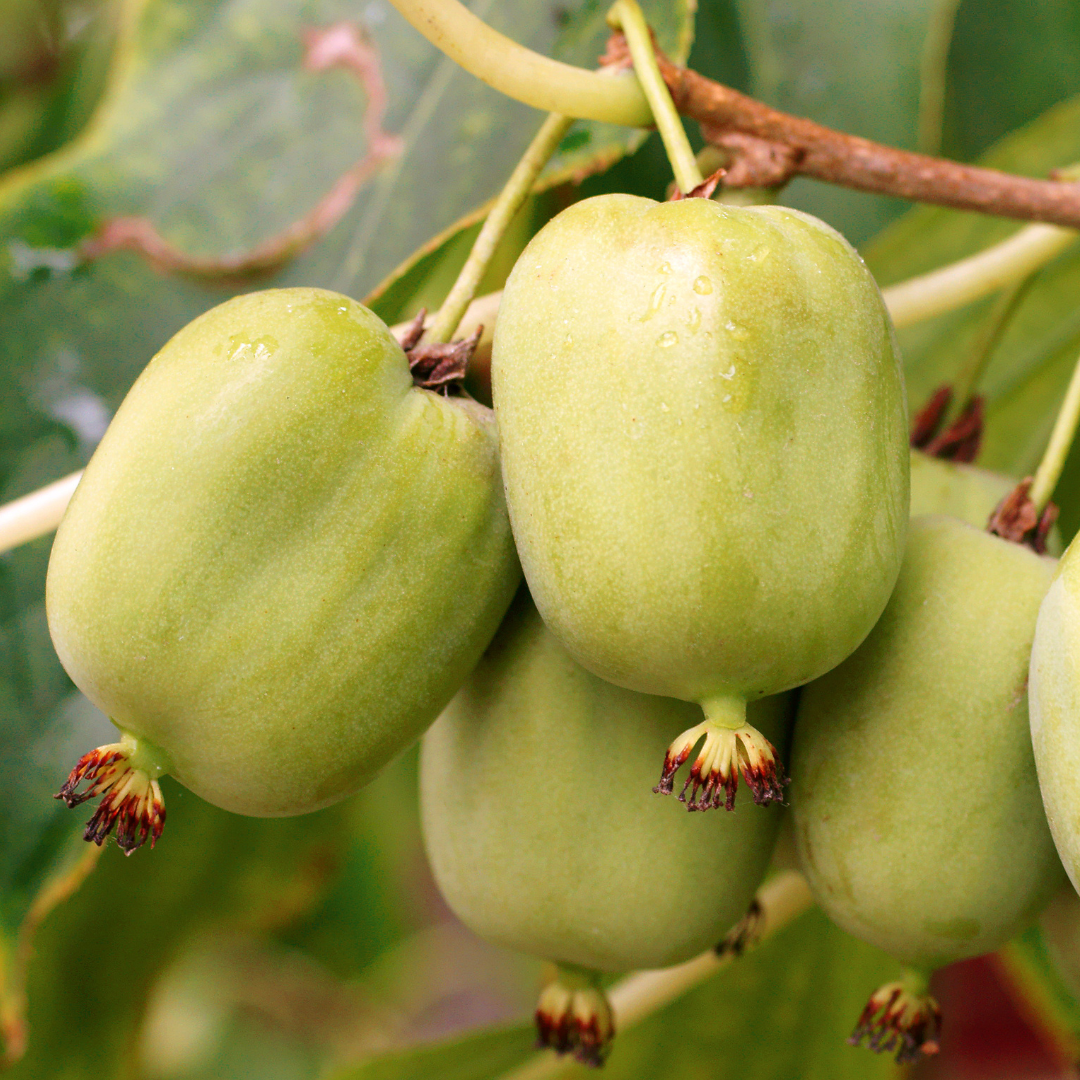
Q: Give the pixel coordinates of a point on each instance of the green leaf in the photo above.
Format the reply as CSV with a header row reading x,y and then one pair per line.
x,y
1009,61
1027,375
783,1010
865,75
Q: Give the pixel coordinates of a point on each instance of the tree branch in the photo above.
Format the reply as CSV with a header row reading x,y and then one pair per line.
x,y
768,147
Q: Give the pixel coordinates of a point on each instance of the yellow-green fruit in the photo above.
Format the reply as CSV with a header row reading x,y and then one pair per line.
x,y
541,829
284,557
962,491
704,444
1054,691
917,814
957,489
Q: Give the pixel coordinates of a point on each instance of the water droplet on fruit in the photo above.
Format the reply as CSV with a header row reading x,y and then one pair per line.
x,y
664,268
739,333
695,319
702,286
667,339
760,254
655,301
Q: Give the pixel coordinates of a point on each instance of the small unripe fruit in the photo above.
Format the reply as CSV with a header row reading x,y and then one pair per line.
x,y
281,562
1054,691
704,443
962,491
529,854
917,814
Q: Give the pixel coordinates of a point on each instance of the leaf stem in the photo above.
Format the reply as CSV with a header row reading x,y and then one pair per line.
x,y
35,514
627,16
990,333
638,996
963,282
507,204
521,73
1057,450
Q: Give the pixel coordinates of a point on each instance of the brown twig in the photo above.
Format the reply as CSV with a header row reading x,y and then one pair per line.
x,y
341,45
767,148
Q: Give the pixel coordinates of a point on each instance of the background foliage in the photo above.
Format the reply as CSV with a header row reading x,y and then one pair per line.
x,y
318,946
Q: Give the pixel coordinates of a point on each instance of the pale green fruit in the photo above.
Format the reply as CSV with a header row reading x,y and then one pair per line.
x,y
1054,691
917,814
284,557
704,445
540,827
962,491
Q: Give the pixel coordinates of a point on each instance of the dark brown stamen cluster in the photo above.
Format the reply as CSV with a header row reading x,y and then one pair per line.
x,y
131,801
714,777
896,1019
745,934
575,1020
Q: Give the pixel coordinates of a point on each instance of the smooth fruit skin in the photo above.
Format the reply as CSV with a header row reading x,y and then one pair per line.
x,y
531,850
283,558
917,814
704,442
1054,691
960,490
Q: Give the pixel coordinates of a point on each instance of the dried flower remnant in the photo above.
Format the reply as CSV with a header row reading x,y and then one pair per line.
x,y
902,1017
574,1017
125,775
724,755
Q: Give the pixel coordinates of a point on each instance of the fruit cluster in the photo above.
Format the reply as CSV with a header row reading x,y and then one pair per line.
x,y
295,548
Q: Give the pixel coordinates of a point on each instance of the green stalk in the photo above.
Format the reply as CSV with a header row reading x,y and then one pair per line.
x,y
509,201
963,282
627,16
991,332
521,73
1057,450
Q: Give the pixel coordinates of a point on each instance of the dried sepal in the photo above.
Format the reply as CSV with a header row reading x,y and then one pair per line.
x,y
442,366
898,1017
131,800
573,1016
1018,520
745,934
714,776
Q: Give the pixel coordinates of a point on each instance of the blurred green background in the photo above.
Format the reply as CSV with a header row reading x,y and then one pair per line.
x,y
318,946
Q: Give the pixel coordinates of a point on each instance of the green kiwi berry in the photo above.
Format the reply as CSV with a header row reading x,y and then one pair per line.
x,y
1054,693
532,852
704,444
281,563
917,814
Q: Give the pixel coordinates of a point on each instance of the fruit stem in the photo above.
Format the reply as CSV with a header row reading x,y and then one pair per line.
x,y
627,16
967,280
35,514
1057,450
781,900
521,73
506,205
990,333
